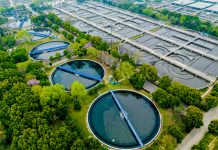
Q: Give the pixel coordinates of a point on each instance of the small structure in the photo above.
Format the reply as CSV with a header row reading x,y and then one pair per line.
x,y
149,87
183,2
107,59
199,5
213,9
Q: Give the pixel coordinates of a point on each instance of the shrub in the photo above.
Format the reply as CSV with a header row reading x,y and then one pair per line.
x,y
69,55
95,89
193,118
177,133
213,127
165,99
76,105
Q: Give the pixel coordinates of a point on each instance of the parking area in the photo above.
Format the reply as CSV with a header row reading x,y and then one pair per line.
x,y
185,56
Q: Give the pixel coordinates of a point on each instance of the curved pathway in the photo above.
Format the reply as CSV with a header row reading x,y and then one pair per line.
x,y
197,134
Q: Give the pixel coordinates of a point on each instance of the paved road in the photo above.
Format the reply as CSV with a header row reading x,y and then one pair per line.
x,y
196,135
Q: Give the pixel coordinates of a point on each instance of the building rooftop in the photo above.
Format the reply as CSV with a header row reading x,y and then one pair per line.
x,y
199,5
212,1
213,8
183,2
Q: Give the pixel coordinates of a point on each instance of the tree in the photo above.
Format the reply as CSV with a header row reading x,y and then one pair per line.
x,y
164,82
213,127
193,118
76,105
78,145
165,99
19,55
54,96
23,35
137,80
78,91
92,51
177,133
150,72
125,71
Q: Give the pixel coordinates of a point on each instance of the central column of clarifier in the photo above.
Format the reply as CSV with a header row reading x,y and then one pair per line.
x,y
79,73
127,119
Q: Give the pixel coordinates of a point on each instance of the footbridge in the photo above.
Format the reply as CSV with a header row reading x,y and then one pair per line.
x,y
79,73
125,115
147,49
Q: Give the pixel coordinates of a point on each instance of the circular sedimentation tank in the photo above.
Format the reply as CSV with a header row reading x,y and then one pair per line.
x,y
45,50
113,123
40,33
87,72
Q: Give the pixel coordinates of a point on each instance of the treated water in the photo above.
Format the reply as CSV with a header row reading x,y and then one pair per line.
x,y
107,122
87,67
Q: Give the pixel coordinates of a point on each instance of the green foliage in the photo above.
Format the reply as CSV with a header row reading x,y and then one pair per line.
x,y
124,71
186,94
55,97
77,105
3,20
115,53
95,89
6,61
213,127
78,91
23,35
57,55
193,118
137,80
204,143
164,82
69,55
8,41
19,55
37,69
165,99
177,132
215,90
211,101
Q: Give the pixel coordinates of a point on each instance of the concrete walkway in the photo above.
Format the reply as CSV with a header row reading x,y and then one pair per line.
x,y
196,135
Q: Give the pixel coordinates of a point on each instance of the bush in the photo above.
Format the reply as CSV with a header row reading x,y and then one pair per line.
x,y
213,127
95,89
177,133
115,53
57,55
51,58
69,55
193,118
186,94
76,105
19,55
66,52
165,82
137,80
165,99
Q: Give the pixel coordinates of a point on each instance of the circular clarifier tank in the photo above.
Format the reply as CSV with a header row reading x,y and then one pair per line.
x,y
39,33
124,119
45,50
87,72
